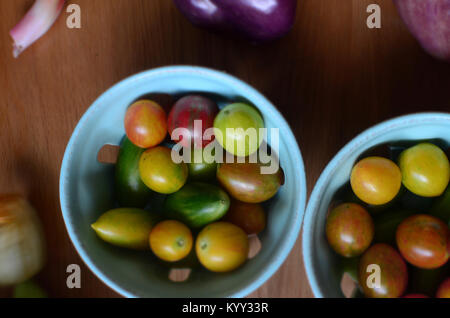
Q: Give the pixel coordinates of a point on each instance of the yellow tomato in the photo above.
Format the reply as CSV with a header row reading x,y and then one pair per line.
x,y
376,180
222,247
160,173
126,227
236,128
171,240
425,169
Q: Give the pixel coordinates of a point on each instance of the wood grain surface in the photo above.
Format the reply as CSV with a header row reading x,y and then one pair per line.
x,y
331,77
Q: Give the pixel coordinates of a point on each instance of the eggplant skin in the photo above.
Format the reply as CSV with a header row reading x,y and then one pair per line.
x,y
256,20
429,22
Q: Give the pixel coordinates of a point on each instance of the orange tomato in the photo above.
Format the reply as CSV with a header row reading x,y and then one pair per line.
x,y
160,173
171,241
376,180
248,216
425,169
222,247
146,124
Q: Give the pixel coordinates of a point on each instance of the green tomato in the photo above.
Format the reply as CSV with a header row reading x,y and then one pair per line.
x,y
236,128
201,171
425,170
197,204
131,192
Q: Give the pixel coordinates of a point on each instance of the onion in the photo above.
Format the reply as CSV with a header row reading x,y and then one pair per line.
x,y
429,22
36,22
22,243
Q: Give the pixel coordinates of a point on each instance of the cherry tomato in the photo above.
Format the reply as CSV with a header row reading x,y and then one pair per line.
x,y
145,124
171,240
383,260
423,241
349,229
222,247
190,112
246,183
248,216
231,125
425,169
160,173
126,227
376,180
199,168
444,289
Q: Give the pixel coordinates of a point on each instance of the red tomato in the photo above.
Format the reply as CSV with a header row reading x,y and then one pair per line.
x,y
145,124
349,229
392,270
183,114
248,216
444,289
423,241
246,183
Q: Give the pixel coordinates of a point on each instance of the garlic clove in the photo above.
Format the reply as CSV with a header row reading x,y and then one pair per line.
x,y
22,242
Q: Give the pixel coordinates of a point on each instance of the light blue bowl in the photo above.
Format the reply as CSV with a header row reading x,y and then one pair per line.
x,y
86,191
320,261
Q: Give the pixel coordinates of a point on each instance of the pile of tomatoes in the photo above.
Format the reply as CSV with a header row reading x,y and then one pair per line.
x,y
189,212
390,224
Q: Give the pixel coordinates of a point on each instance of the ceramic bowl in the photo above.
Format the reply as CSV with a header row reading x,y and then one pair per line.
x,y
320,261
86,190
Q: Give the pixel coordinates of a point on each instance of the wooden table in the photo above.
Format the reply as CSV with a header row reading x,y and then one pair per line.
x,y
331,77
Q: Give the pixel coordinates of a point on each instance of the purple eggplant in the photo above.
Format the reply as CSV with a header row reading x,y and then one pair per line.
x,y
429,22
257,20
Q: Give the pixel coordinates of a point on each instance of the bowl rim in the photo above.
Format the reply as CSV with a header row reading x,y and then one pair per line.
x,y
315,197
292,233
